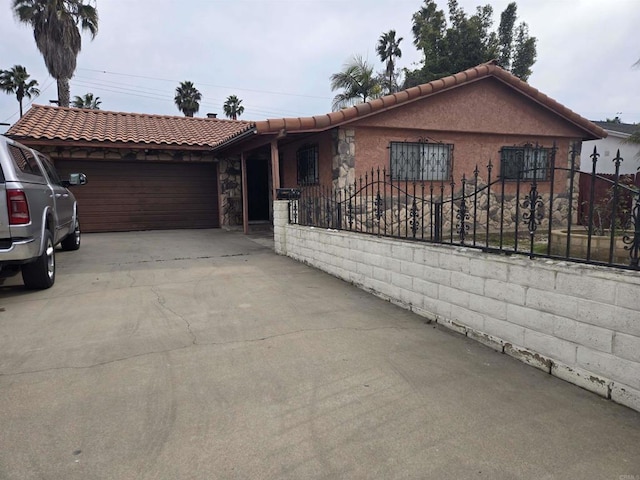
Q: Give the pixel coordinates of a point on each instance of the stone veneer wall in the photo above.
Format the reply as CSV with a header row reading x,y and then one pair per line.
x,y
506,213
230,177
577,322
344,157
397,215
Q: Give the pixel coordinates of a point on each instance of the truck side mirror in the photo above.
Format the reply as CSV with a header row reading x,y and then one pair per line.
x,y
77,179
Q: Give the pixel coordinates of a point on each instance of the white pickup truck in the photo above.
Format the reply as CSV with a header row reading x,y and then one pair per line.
x,y
37,212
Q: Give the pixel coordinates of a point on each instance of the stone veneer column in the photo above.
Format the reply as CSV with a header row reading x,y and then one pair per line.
x,y
575,208
344,156
230,191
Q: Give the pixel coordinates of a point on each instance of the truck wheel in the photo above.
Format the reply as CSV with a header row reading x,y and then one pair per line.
x,y
42,273
72,241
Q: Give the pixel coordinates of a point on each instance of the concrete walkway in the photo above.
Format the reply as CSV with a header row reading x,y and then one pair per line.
x,y
203,355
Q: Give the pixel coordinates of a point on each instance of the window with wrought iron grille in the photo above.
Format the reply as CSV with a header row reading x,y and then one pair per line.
x,y
524,163
307,161
420,161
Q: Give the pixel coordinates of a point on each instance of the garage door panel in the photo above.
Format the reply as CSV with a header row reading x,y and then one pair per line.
x,y
143,191
144,195
191,201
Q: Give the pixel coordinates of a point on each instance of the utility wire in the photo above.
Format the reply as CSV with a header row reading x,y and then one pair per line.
x,y
207,84
133,90
30,101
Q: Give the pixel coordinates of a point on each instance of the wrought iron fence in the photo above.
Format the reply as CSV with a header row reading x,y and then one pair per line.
x,y
524,212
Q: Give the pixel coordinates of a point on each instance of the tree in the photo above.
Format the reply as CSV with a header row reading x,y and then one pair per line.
x,y
505,35
634,138
187,98
17,81
55,29
388,50
86,101
465,41
525,53
232,108
357,81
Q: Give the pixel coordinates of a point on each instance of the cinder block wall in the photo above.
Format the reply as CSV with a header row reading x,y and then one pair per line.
x,y
580,323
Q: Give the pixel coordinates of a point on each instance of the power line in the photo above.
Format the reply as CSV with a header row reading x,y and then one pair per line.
x,y
127,89
207,84
30,101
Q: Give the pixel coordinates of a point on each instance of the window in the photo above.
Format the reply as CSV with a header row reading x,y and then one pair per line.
x,y
24,160
420,161
524,163
307,161
51,171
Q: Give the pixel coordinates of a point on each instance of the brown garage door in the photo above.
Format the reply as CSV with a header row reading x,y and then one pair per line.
x,y
127,196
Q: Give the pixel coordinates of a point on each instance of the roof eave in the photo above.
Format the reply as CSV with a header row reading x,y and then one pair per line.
x,y
235,139
615,133
58,142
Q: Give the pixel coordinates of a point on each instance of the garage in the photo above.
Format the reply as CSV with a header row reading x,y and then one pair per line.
x,y
145,172
125,196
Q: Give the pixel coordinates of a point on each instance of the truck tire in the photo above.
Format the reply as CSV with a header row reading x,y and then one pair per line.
x,y
72,241
41,274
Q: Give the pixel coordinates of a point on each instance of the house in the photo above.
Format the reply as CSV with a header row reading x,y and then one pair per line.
x,y
433,132
145,171
616,140
438,131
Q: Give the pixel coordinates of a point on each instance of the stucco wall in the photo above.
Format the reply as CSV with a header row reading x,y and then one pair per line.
x,y
607,148
469,150
487,106
478,118
579,323
288,163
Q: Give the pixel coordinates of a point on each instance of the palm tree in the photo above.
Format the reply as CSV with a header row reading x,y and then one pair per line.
x,y
86,101
187,98
388,50
55,29
358,82
232,108
17,81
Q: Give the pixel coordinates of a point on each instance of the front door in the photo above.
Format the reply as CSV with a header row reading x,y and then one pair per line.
x,y
258,189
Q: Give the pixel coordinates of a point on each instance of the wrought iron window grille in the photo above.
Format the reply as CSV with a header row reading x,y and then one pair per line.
x,y
307,165
420,161
525,162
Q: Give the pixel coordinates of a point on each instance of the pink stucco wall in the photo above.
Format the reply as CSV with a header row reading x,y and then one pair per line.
x,y
478,118
288,149
485,106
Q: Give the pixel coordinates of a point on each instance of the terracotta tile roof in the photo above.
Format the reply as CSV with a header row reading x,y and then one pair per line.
x,y
100,126
489,69
57,123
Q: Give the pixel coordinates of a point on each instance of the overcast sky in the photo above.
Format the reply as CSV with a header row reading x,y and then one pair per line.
x,y
277,55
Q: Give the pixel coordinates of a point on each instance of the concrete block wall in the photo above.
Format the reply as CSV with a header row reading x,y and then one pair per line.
x,y
580,323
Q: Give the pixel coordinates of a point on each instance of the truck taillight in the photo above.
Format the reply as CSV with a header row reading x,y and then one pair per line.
x,y
18,207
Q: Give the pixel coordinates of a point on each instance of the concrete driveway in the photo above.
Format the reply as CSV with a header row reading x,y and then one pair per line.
x,y
203,355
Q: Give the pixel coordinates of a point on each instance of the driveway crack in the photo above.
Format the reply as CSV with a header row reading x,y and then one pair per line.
x,y
163,304
205,344
180,259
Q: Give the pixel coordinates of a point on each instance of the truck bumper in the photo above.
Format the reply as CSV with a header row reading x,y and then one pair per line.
x,y
20,251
